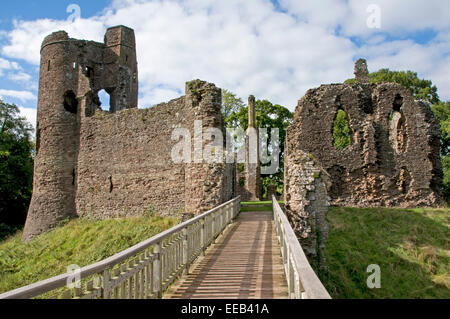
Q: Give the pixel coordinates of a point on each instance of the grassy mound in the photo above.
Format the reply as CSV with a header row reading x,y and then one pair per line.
x,y
79,242
411,246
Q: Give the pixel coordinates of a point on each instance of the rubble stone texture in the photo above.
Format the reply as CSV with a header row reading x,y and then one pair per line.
x,y
306,199
95,164
393,159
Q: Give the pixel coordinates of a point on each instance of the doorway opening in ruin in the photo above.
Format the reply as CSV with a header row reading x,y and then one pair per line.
x,y
70,102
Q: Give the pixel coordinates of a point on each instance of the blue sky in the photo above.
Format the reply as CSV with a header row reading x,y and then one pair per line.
x,y
274,50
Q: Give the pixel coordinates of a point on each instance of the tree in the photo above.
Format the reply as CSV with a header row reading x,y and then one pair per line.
x,y
341,131
420,88
442,112
268,116
230,104
16,165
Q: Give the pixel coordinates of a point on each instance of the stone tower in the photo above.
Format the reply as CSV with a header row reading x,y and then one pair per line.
x,y
72,72
252,160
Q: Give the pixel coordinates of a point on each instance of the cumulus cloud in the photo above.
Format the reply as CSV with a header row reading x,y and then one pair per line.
x,y
7,65
30,114
250,47
20,95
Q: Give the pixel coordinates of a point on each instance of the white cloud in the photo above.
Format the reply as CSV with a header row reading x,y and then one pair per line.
x,y
26,38
20,95
30,114
8,65
250,48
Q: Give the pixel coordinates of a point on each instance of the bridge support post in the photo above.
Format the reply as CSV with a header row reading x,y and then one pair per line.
x,y
157,274
213,228
185,252
202,237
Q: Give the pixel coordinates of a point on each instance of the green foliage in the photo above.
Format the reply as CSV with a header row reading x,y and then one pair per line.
x,y
242,182
420,88
80,242
446,169
230,104
341,131
16,165
442,112
268,116
411,247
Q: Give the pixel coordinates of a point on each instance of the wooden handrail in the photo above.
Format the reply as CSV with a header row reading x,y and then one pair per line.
x,y
151,271
303,282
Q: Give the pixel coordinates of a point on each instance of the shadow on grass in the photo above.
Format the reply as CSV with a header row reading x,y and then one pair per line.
x,y
411,246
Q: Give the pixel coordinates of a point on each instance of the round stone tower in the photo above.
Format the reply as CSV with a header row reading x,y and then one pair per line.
x,y
57,137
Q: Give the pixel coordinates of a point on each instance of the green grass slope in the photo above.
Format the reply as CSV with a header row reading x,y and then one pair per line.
x,y
79,242
411,246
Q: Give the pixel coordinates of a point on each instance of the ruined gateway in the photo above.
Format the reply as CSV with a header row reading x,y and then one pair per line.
x,y
95,164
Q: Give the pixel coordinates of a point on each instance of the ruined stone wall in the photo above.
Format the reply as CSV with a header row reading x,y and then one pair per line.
x,y
96,164
125,166
306,202
393,159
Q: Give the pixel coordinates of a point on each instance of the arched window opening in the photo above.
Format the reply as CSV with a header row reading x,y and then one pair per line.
x,y
404,181
70,102
341,130
398,103
105,100
397,126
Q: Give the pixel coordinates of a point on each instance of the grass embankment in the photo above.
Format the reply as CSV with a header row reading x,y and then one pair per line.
x,y
411,246
79,242
257,206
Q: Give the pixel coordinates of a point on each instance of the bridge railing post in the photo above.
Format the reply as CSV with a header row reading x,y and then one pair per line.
x,y
202,237
157,271
214,227
185,251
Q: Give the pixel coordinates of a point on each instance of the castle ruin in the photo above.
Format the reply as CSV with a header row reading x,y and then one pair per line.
x,y
392,161
95,164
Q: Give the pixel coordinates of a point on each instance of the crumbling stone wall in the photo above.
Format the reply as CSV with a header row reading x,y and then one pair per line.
x,y
96,164
306,202
393,159
125,166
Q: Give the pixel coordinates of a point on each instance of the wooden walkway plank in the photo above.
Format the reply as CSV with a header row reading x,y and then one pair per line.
x,y
245,263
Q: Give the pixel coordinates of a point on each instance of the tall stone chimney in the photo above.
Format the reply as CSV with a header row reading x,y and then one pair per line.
x,y
252,163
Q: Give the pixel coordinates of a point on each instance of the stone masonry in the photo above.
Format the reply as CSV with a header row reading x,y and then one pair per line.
x,y
95,164
306,199
251,190
393,159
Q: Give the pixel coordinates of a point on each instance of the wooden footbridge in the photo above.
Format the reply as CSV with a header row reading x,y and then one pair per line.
x,y
223,253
